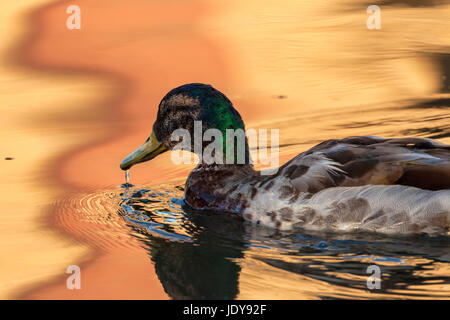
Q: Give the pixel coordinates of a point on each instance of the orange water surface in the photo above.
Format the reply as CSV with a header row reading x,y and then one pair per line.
x,y
75,102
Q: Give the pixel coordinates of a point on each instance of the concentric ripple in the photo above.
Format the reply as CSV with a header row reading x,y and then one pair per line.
x,y
159,213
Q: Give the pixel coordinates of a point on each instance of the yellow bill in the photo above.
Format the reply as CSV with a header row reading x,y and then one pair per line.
x,y
149,150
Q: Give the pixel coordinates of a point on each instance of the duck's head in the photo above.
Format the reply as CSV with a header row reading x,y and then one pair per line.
x,y
180,109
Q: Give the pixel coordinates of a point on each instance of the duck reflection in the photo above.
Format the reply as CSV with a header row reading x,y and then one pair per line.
x,y
195,255
200,269
200,255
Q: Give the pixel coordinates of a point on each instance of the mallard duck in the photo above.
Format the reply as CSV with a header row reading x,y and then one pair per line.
x,y
361,183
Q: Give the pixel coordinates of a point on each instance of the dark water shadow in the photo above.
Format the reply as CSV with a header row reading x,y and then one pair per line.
x,y
442,103
200,269
357,252
444,61
413,3
433,133
409,3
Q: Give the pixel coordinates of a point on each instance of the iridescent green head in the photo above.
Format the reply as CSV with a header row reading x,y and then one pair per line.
x,y
186,107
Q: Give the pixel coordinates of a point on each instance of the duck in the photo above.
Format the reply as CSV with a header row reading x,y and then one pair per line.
x,y
354,184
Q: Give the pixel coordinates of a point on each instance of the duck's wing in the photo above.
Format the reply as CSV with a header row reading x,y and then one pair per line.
x,y
367,160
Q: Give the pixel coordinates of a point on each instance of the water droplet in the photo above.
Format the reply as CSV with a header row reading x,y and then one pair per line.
x,y
127,176
127,183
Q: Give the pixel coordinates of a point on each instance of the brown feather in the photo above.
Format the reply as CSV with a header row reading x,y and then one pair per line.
x,y
418,162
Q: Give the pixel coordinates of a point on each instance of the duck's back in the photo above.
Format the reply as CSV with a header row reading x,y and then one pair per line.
x,y
361,183
358,161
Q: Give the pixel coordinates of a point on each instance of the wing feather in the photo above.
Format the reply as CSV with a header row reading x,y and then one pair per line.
x,y
368,160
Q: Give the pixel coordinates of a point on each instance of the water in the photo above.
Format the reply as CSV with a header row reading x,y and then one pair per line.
x,y
309,68
216,256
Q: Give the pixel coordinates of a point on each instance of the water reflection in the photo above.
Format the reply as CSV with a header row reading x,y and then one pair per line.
x,y
184,245
205,255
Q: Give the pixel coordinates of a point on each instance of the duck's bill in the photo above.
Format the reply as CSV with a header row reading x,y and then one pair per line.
x,y
149,150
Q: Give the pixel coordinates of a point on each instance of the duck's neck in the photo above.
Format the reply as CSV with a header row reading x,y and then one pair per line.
x,y
240,169
208,185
